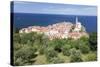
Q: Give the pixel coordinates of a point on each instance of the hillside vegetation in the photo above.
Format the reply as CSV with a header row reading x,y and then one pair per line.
x,y
34,48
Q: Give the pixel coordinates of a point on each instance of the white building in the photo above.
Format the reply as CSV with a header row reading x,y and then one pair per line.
x,y
34,30
64,35
22,30
52,32
78,26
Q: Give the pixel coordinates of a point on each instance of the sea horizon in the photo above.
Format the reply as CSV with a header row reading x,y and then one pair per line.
x,y
23,20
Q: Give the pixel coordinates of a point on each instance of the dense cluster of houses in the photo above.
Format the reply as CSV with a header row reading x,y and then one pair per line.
x,y
58,30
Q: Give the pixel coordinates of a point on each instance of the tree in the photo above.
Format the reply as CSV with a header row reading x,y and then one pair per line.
x,y
16,38
66,50
93,41
17,46
24,54
59,43
84,48
91,57
84,44
18,61
73,43
84,39
75,55
50,54
26,37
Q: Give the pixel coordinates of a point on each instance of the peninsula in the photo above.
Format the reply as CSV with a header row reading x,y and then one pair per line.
x,y
59,30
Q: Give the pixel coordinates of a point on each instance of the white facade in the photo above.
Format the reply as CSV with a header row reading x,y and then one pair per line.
x,y
65,36
26,31
34,30
78,26
20,31
52,32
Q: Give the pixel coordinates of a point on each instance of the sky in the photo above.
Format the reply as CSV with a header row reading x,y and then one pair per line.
x,y
51,8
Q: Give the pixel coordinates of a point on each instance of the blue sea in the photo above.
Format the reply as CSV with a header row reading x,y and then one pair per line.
x,y
21,20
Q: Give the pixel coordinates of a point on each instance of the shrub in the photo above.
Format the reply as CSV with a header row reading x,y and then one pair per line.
x,y
93,41
24,54
66,50
75,55
84,44
58,44
29,37
91,57
42,51
18,62
26,37
84,48
56,60
50,53
16,38
17,46
74,43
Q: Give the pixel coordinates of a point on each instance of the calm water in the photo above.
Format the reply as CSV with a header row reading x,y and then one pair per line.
x,y
22,20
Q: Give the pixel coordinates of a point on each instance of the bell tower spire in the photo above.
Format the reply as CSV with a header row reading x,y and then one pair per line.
x,y
76,20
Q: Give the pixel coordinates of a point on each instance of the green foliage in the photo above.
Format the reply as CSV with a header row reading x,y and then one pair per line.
x,y
18,61
57,44
26,37
56,60
84,39
15,30
24,54
75,55
17,46
93,41
50,54
91,57
75,44
84,49
84,45
29,45
66,50
16,38
42,50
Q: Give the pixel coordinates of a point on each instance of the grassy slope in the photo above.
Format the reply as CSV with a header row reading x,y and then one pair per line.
x,y
65,58
41,59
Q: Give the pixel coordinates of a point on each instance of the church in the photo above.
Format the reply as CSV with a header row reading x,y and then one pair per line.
x,y
78,26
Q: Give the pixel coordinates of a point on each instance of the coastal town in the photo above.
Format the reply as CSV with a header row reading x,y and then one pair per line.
x,y
59,30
